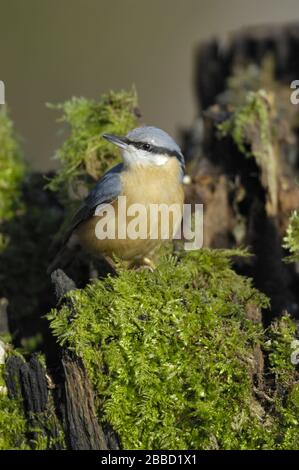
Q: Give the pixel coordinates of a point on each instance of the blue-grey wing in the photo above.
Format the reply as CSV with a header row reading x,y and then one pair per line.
x,y
107,189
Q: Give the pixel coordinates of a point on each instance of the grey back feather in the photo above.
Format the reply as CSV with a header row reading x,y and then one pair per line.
x,y
107,189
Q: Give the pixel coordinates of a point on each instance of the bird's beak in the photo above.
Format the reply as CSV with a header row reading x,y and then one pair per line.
x,y
119,141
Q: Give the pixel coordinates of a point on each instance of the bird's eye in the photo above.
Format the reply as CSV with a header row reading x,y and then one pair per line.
x,y
146,147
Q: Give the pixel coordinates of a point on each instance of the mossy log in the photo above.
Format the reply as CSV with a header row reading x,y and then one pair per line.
x,y
27,385
82,428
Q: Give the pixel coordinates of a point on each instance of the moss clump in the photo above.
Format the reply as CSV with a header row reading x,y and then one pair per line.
x,y
291,239
252,77
281,336
290,420
170,353
12,168
12,424
281,345
85,153
250,120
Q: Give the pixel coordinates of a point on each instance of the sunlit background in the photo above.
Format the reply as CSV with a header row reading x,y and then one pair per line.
x,y
51,50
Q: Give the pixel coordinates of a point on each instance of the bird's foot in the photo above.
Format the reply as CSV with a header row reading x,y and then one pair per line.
x,y
149,263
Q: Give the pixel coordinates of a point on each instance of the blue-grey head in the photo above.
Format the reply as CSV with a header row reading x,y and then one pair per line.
x,y
147,146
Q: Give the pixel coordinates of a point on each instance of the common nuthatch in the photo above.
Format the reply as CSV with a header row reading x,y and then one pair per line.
x,y
151,174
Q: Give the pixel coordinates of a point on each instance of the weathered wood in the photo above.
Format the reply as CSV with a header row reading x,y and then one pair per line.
x,y
28,380
83,430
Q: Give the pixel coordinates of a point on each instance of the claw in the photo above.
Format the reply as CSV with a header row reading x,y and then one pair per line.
x,y
148,262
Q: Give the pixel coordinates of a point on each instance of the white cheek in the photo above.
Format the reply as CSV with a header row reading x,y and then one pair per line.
x,y
141,157
160,160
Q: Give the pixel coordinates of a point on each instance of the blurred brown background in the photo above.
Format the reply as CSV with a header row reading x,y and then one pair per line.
x,y
53,49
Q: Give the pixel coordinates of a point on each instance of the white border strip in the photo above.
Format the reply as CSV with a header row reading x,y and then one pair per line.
x,y
2,92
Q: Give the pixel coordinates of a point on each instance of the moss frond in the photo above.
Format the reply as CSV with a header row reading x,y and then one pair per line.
x,y
282,345
85,154
250,120
12,424
291,239
12,169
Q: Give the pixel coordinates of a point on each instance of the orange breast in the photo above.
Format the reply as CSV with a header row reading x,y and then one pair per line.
x,y
148,187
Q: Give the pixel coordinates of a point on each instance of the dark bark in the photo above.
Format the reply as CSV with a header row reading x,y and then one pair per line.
x,y
216,58
83,430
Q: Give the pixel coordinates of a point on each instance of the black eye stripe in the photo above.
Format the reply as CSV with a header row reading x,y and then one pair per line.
x,y
147,147
158,150
154,149
143,146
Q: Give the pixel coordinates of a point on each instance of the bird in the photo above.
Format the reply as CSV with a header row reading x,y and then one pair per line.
x,y
151,173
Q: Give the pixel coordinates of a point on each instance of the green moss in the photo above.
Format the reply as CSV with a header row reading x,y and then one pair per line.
x,y
290,420
170,353
12,169
252,77
291,239
281,335
85,153
250,120
46,432
286,396
12,424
